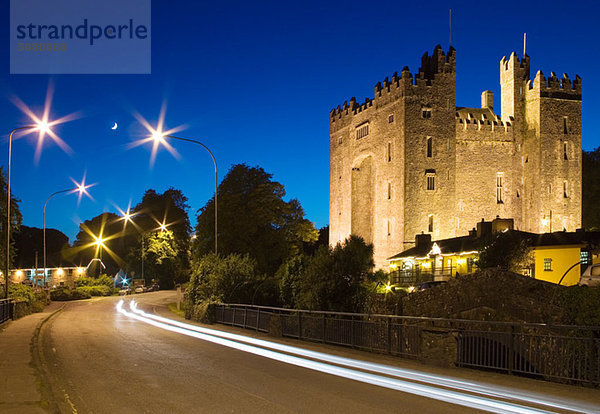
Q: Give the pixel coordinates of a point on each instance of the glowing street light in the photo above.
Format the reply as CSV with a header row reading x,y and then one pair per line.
x,y
159,137
81,189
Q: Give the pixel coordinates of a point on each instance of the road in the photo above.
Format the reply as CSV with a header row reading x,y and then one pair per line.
x,y
98,360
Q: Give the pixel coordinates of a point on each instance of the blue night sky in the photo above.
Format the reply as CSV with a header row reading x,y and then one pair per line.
x,y
255,81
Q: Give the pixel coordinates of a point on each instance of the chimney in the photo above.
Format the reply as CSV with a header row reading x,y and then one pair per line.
x,y
422,240
499,225
484,228
487,99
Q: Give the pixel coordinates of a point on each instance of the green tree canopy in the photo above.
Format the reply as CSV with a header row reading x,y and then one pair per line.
x,y
591,189
254,219
507,251
15,220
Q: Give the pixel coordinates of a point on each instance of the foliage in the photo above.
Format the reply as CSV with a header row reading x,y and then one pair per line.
x,y
591,189
254,220
66,294
29,240
229,279
580,305
97,290
203,311
339,278
290,276
15,220
506,251
102,280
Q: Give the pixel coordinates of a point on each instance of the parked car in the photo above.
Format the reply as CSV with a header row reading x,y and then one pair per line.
x,y
153,288
140,289
125,291
591,276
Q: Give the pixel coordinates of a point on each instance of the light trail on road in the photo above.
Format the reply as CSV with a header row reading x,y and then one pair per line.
x,y
443,381
453,397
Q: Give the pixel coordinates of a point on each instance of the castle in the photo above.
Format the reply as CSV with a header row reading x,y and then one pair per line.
x,y
410,161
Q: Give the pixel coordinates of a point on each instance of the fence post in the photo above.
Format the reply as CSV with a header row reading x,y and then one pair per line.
x,y
324,328
245,316
352,331
389,335
299,325
511,350
233,317
258,320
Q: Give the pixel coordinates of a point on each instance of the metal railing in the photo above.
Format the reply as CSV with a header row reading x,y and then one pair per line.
x,y
417,276
6,308
552,352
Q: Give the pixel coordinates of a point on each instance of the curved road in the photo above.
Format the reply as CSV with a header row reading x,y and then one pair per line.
x,y
97,360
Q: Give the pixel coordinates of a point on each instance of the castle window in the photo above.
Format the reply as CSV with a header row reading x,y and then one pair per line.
x,y
550,188
389,228
362,131
389,152
431,181
565,125
429,147
499,187
390,119
389,191
565,189
566,150
340,140
339,170
430,224
547,265
426,113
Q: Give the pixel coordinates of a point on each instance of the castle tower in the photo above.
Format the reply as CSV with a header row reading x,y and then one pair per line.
x,y
514,74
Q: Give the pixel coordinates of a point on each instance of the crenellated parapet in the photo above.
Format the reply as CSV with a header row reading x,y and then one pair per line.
x,y
553,87
471,121
432,66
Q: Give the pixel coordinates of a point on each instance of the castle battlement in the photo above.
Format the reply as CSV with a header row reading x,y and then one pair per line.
x,y
553,87
475,124
513,62
432,66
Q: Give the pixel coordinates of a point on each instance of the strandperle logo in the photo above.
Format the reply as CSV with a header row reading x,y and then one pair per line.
x,y
80,36
86,31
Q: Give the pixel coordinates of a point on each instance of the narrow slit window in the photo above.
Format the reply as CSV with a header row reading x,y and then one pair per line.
x,y
430,224
429,147
566,125
389,152
389,228
389,191
566,189
499,188
566,150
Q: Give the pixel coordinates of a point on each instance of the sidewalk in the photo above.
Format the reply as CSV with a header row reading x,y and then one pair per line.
x,y
19,391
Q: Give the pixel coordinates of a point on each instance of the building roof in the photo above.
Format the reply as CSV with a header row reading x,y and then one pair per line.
x,y
473,243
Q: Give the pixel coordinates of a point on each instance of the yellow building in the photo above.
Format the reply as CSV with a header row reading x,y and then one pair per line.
x,y
556,257
55,276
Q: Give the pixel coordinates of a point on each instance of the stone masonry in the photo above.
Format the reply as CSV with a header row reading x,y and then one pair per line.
x,y
410,161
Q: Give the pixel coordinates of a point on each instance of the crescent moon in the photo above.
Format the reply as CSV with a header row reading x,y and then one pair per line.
x,y
114,126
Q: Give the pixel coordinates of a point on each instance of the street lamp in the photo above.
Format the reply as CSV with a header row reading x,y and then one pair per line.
x,y
159,138
44,128
81,189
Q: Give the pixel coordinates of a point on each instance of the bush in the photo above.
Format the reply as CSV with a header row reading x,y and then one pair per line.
x,y
65,294
202,312
102,280
101,290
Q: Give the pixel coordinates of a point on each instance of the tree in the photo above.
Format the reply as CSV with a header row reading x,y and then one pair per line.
x,y
254,219
29,240
15,221
507,251
591,189
338,278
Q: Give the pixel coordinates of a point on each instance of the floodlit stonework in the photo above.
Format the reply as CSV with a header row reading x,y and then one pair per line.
x,y
410,161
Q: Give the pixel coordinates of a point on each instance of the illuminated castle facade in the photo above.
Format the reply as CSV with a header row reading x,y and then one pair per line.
x,y
410,161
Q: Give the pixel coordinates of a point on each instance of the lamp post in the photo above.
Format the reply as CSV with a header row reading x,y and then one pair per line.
x,y
159,137
44,128
81,189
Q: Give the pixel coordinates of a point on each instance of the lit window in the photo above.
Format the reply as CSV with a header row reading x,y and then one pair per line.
x,y
547,265
426,113
430,224
585,257
499,187
362,131
429,147
430,182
